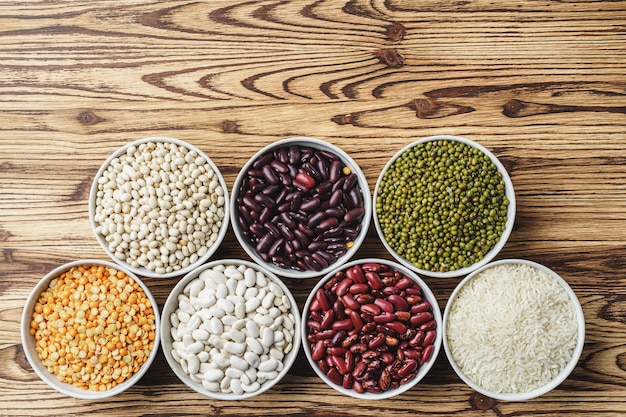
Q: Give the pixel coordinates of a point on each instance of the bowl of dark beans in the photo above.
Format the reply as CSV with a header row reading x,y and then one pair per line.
x,y
302,207
371,329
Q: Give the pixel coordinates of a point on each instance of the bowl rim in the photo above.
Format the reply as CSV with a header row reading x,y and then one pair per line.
x,y
42,371
143,271
424,369
565,372
489,256
170,306
317,144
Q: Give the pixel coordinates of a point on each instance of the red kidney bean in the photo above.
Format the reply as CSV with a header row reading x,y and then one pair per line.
x,y
380,343
420,308
373,280
420,318
327,320
318,350
384,305
426,354
429,338
322,299
334,376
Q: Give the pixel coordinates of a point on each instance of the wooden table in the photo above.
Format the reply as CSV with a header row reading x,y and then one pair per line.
x,y
540,83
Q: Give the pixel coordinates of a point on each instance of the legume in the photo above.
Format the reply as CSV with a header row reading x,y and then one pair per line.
x,y
369,328
442,205
94,327
232,329
159,206
300,208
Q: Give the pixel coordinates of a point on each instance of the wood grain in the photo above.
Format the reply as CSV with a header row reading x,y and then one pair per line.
x,y
540,83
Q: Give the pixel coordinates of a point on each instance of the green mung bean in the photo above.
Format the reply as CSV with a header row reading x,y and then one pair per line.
x,y
442,205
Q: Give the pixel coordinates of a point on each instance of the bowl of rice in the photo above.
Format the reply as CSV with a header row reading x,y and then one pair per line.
x,y
513,330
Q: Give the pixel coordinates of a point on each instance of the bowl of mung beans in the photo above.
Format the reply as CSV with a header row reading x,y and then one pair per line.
x,y
301,207
90,329
158,206
444,206
230,329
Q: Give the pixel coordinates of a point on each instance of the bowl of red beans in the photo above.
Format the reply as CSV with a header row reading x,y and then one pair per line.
x,y
301,207
371,329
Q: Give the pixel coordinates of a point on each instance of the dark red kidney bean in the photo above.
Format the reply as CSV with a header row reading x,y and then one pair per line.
x,y
262,160
350,182
310,204
429,338
334,376
427,353
258,230
398,302
328,223
279,166
335,198
270,175
282,155
251,204
311,263
276,246
317,257
384,305
330,257
373,280
287,220
418,319
294,154
354,214
356,197
316,219
285,231
264,200
336,212
265,215
334,172
302,239
272,230
264,243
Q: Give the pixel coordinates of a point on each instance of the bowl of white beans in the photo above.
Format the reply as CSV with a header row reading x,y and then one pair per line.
x,y
158,206
90,329
231,329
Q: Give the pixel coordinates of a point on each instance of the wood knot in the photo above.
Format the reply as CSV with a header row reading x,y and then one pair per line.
x,y
479,401
396,32
343,119
88,118
229,126
513,107
424,107
390,57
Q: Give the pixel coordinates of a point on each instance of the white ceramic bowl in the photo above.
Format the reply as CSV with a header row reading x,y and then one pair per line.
x,y
28,341
172,305
423,369
564,370
140,199
492,252
319,145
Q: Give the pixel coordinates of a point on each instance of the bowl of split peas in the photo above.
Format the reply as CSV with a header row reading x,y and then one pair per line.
x,y
90,329
444,206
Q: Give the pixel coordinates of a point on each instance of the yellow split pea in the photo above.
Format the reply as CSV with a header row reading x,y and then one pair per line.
x,y
94,327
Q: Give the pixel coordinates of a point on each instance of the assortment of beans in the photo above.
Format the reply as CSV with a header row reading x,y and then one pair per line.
x,y
299,207
232,328
442,205
159,206
369,328
94,327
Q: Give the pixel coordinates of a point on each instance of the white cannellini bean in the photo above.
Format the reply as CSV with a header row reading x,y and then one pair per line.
x,y
234,329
